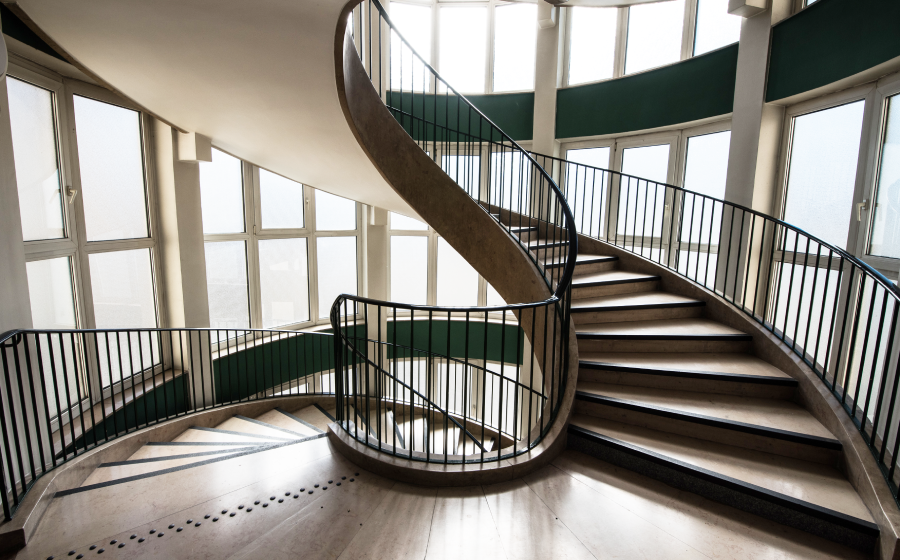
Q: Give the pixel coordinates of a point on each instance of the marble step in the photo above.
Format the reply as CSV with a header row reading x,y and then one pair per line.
x,y
774,426
664,335
730,374
809,496
640,306
612,282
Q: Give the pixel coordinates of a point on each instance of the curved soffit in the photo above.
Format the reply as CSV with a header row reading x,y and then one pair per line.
x,y
257,77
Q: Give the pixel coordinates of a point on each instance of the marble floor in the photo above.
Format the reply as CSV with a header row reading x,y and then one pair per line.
x,y
576,507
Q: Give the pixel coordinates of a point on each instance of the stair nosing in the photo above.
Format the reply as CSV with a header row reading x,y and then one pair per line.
x,y
784,500
692,374
712,421
638,306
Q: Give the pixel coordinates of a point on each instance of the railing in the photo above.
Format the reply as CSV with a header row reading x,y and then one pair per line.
x,y
835,312
65,392
457,384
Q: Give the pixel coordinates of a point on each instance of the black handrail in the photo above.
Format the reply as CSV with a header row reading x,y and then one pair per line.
x,y
528,341
834,311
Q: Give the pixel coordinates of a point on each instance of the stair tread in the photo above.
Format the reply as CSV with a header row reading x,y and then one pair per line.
x,y
238,424
739,364
281,420
661,328
648,299
314,416
815,483
195,435
581,258
610,276
767,413
160,451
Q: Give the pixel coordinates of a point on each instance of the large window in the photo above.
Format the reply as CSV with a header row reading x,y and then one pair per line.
x,y
886,224
654,35
264,234
463,40
592,44
715,27
515,36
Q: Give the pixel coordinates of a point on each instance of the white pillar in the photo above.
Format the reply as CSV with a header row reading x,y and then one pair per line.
x,y
546,79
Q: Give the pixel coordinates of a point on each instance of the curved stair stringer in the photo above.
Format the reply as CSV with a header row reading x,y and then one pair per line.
x,y
473,233
857,462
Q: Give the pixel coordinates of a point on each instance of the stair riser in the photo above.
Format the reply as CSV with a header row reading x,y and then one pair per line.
x,y
767,505
527,236
590,268
709,433
614,289
648,314
686,384
620,345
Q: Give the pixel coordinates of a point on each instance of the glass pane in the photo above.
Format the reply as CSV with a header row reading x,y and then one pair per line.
x,y
414,24
50,291
281,201
715,26
34,150
283,281
510,180
515,40
222,194
399,221
465,170
646,165
226,282
463,44
409,269
457,281
886,228
585,188
824,151
493,298
52,308
337,271
654,35
592,44
706,163
122,286
111,159
334,213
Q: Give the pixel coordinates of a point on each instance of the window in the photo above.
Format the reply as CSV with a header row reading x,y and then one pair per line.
x,y
409,269
337,271
510,180
822,167
592,44
457,281
715,27
227,285
654,35
414,23
463,38
586,189
281,202
222,191
515,37
334,213
283,281
886,224
465,170
650,163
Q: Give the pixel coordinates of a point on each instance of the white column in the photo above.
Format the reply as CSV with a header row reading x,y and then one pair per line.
x,y
546,79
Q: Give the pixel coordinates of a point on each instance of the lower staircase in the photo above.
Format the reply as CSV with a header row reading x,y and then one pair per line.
x,y
670,393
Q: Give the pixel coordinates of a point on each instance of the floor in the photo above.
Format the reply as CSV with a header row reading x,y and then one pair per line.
x,y
576,507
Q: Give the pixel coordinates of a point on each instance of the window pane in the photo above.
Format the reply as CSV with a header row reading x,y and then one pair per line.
x,y
414,23
515,40
706,164
409,269
646,163
34,151
654,35
586,188
510,180
122,286
399,221
222,194
226,282
281,201
112,170
886,228
463,41
50,291
592,44
715,26
457,281
337,271
493,298
465,170
824,151
334,213
283,281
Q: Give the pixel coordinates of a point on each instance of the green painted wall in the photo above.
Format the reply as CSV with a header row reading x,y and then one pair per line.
x,y
693,89
507,344
831,40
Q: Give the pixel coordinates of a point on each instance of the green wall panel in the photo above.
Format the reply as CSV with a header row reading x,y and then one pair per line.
x,y
831,40
693,89
502,341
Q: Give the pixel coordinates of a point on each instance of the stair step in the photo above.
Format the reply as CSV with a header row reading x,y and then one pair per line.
x,y
198,434
610,369
665,335
808,496
640,306
314,415
774,426
584,263
523,229
250,427
612,282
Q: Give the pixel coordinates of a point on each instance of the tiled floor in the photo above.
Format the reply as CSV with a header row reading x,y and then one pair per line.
x,y
577,507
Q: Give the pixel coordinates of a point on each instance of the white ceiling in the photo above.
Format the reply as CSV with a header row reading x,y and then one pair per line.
x,y
257,77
